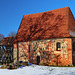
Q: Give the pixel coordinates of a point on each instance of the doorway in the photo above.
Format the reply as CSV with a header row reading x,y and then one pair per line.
x,y
38,60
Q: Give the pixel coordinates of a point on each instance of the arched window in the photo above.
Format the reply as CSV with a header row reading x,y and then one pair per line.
x,y
58,45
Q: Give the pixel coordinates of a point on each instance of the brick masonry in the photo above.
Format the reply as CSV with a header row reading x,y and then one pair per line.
x,y
46,50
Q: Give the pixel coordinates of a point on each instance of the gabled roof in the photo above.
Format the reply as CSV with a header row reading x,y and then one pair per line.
x,y
46,25
7,41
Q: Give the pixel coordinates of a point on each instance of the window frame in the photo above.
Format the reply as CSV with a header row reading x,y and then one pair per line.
x,y
58,46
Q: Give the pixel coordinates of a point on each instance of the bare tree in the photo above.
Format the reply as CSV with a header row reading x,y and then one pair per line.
x,y
1,50
13,33
1,36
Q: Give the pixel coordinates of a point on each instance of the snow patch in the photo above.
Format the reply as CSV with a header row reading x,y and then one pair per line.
x,y
72,33
39,70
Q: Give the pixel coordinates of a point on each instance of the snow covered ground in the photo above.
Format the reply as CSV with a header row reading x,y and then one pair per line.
x,y
39,70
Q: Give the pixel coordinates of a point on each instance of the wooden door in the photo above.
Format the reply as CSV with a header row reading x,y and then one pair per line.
x,y
38,60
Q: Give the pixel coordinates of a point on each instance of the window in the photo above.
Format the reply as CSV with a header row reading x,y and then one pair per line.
x,y
43,52
58,45
34,50
29,47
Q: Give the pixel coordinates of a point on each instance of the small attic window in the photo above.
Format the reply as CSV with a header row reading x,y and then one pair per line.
x,y
58,45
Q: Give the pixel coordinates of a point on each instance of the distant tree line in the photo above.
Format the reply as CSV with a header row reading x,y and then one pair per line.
x,y
1,36
13,34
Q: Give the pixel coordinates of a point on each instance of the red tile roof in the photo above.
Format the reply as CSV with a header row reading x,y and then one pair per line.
x,y
7,41
45,25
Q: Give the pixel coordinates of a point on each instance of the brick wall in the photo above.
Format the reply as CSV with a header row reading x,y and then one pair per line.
x,y
46,50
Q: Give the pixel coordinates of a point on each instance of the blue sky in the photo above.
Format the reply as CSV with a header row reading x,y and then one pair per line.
x,y
12,11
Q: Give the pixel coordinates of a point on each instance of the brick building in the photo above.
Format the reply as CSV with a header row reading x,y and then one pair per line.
x,y
47,37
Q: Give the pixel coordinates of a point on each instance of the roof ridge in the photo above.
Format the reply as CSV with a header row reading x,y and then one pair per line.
x,y
48,11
